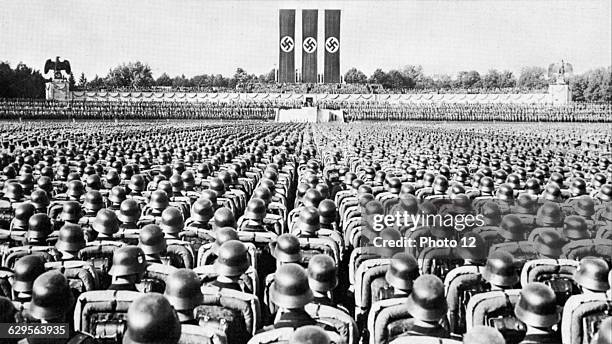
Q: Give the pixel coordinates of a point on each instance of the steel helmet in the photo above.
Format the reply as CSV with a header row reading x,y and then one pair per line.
x,y
129,211
106,222
159,200
51,296
202,210
256,209
322,273
512,228
501,270
39,227
70,238
537,306
151,240
117,194
403,270
172,221
22,215
549,242
290,288
128,260
232,259
309,334
592,274
183,290
575,228
152,320
224,217
308,221
287,249
426,301
26,270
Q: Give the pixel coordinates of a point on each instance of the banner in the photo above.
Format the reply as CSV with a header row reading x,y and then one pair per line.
x,y
309,45
286,46
332,47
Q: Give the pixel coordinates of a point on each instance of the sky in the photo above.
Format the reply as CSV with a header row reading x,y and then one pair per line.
x,y
194,37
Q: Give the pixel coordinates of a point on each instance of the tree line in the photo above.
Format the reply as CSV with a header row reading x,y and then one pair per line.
x,y
593,86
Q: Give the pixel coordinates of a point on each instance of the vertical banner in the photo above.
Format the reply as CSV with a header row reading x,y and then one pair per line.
x,y
286,57
309,45
331,71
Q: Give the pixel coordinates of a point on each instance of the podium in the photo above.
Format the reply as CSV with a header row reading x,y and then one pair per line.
x,y
309,115
559,93
57,89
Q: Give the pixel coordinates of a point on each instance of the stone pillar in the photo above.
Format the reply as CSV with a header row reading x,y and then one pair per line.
x,y
559,94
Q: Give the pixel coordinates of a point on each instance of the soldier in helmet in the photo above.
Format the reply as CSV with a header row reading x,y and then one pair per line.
x,y
172,222
26,270
291,292
323,279
500,271
70,240
129,214
22,214
231,263
201,213
537,309
549,243
129,265
39,229
253,218
158,202
116,196
328,214
427,305
152,320
308,223
184,294
211,250
575,228
52,302
403,271
224,217
591,275
153,243
106,225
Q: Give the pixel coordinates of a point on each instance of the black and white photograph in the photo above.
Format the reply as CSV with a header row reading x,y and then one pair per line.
x,y
306,172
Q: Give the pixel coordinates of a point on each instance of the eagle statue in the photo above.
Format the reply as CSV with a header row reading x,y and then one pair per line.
x,y
57,66
560,72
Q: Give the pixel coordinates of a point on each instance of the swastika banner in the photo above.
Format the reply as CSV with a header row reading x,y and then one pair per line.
x,y
309,45
331,69
286,46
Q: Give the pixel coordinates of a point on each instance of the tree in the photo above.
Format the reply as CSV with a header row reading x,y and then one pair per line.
x,y
398,80
96,83
355,76
468,80
443,81
413,73
163,80
71,82
133,74
533,78
507,79
492,80
378,77
82,82
21,82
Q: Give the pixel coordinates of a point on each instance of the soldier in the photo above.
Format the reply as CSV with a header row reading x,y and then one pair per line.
x,y
116,196
201,213
231,263
537,309
153,243
500,271
152,320
224,217
591,275
427,305
51,302
129,214
172,223
39,229
26,270
22,214
129,265
575,228
403,271
70,240
291,292
106,225
549,243
323,279
184,294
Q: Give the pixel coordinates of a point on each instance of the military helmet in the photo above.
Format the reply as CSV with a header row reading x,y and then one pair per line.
x,y
39,226
505,192
308,221
26,270
232,258
51,296
70,238
408,203
605,193
500,269
217,185
525,204
512,228
537,306
183,290
45,183
75,189
290,288
159,200
309,334
129,211
151,240
549,215
549,242
327,212
487,185
14,191
106,222
287,249
172,221
575,228
312,198
426,301
93,200
322,273
152,320
71,211
128,260
592,274
224,217
395,185
22,215
585,206
263,193
255,210
475,250
40,200
403,270
578,187
117,194
137,183
224,234
202,210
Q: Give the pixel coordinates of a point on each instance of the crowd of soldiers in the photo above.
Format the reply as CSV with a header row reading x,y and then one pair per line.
x,y
252,232
265,110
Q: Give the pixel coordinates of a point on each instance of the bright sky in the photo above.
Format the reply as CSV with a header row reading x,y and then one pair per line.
x,y
196,36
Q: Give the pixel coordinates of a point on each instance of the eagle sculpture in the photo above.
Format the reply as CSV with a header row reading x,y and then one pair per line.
x,y
560,72
57,67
